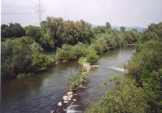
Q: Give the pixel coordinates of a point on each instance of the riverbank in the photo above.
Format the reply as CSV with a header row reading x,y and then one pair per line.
x,y
76,85
81,92
41,93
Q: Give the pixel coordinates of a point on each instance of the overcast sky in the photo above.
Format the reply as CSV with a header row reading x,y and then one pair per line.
x,y
117,12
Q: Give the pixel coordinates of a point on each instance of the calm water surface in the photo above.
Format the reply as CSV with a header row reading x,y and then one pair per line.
x,y
40,93
37,94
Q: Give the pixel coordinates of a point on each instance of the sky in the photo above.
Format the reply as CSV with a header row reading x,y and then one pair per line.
x,y
118,12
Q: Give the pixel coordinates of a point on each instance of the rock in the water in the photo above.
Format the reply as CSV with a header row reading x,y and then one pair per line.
x,y
87,67
65,98
74,100
70,93
59,104
70,96
65,101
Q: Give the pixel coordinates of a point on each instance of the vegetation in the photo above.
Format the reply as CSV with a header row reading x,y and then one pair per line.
x,y
126,97
22,55
69,40
146,66
12,30
143,92
24,51
69,52
78,81
56,32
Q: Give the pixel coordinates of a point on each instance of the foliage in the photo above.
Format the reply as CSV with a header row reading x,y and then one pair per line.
x,y
108,25
122,29
146,66
12,30
21,55
69,40
144,94
77,81
57,32
69,52
126,97
156,28
41,61
34,32
91,56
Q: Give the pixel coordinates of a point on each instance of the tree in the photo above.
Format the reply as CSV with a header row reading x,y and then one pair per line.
x,y
16,57
126,97
122,29
34,32
5,31
57,32
108,25
22,55
12,30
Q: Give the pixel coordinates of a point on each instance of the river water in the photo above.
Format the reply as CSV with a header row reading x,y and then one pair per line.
x,y
40,93
100,80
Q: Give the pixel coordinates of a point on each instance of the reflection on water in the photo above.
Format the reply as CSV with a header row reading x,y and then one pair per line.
x,y
39,93
101,76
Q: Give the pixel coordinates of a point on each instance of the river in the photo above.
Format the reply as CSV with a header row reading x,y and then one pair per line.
x,y
40,93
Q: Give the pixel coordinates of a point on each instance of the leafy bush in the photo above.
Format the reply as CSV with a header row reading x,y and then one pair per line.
x,y
126,97
77,81
145,68
12,30
69,52
21,55
91,56
100,45
34,32
41,61
57,32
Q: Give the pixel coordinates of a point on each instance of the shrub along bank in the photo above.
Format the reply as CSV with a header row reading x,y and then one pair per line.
x,y
24,49
141,89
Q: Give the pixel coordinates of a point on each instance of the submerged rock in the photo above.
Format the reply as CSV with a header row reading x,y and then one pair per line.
x,y
59,104
70,93
65,98
88,67
74,100
65,101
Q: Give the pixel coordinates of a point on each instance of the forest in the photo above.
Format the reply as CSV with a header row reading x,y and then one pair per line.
x,y
31,49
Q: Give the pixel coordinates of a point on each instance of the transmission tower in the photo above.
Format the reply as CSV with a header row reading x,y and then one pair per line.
x,y
39,11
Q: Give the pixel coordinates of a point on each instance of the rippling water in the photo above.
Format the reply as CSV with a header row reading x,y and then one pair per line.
x,y
100,77
39,93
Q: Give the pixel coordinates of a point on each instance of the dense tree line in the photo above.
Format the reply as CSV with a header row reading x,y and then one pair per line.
x,y
24,49
141,90
12,30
